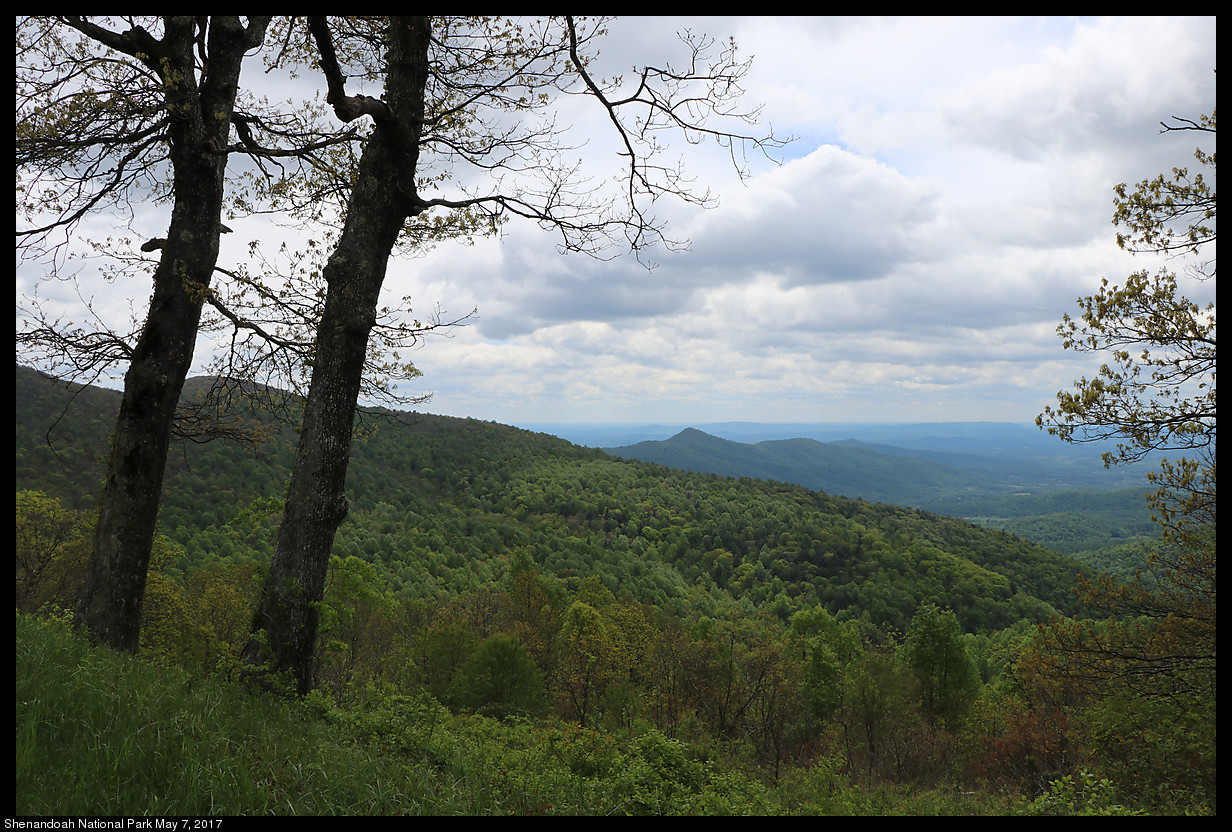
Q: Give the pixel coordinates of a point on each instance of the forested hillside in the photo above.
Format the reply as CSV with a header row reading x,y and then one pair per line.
x,y
442,505
506,573
850,469
1013,489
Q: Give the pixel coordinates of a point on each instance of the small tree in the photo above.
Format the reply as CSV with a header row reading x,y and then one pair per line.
x,y
584,664
945,674
51,550
828,648
500,679
1157,394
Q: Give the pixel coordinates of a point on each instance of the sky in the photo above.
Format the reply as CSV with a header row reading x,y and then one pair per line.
x,y
947,197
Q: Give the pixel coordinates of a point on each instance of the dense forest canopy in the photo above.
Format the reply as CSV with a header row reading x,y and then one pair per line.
x,y
612,594
422,484
737,638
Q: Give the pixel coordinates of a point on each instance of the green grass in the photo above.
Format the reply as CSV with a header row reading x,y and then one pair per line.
x,y
104,734
99,733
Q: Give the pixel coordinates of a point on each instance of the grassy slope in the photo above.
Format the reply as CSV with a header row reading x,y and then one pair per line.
x,y
104,734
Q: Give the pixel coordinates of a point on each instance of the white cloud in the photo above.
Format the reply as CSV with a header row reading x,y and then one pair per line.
x,y
948,200
828,217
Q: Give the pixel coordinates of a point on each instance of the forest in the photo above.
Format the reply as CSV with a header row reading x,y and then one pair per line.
x,y
1059,503
761,632
256,592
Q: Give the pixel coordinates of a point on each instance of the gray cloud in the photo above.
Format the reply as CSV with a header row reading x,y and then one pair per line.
x,y
948,200
829,217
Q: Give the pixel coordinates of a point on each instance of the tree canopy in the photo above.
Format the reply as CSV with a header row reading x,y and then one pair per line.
x,y
463,137
1157,394
1157,390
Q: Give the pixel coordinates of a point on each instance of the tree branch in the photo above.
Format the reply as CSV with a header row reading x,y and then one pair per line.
x,y
347,109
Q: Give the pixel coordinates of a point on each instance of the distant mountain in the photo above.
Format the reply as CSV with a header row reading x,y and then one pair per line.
x,y
441,507
850,469
971,437
990,474
1011,453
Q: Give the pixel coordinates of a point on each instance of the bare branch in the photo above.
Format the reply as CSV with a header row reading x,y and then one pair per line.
x,y
347,109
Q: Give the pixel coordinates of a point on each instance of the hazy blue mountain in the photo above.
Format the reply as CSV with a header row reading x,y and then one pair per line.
x,y
935,465
1019,455
846,469
947,436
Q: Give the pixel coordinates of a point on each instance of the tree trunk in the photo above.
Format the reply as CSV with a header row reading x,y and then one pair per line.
x,y
109,608
383,198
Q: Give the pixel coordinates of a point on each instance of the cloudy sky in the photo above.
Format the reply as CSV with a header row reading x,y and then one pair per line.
x,y
946,199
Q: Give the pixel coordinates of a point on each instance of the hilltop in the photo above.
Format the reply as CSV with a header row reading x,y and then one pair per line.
x,y
440,506
997,475
504,605
849,468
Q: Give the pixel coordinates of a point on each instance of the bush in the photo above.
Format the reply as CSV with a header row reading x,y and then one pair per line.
x,y
1079,794
501,680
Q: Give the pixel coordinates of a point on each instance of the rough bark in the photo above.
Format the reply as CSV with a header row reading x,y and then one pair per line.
x,y
109,608
383,198
519,70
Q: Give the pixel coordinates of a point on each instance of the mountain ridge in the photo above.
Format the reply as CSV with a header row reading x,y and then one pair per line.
x,y
841,468
441,506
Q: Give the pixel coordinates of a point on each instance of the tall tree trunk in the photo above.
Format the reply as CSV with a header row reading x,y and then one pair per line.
x,y
109,608
383,198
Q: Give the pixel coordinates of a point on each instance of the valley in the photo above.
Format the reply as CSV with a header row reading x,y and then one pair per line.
x,y
761,629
